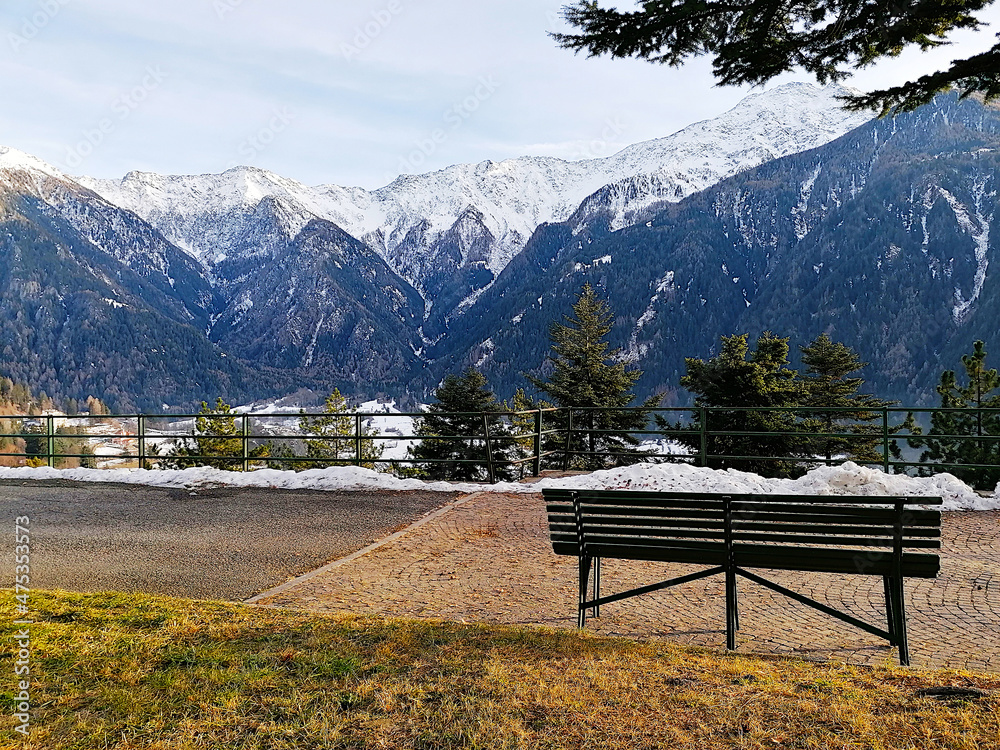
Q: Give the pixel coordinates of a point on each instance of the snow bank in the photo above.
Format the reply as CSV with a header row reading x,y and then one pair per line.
x,y
846,479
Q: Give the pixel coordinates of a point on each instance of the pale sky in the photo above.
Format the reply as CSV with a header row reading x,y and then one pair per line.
x,y
349,93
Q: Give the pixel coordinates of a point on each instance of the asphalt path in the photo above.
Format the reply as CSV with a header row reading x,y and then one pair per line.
x,y
221,543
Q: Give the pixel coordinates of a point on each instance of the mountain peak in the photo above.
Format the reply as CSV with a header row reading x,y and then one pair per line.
x,y
512,197
14,160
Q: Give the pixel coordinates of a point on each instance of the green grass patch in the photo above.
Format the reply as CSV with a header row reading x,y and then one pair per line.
x,y
133,671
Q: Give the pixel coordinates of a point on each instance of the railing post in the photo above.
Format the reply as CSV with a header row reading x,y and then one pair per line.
x,y
537,463
489,450
703,425
885,438
141,430
246,442
357,440
50,440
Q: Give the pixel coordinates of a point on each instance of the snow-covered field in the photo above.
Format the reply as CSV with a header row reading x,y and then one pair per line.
x,y
846,479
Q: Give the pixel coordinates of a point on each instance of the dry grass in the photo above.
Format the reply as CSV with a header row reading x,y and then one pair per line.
x,y
132,671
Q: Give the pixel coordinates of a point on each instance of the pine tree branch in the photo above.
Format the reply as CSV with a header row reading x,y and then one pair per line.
x,y
751,43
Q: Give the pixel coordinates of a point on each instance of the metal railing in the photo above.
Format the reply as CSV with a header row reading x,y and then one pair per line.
x,y
140,439
522,441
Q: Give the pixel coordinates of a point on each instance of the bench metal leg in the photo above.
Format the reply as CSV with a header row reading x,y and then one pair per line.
x,y
596,610
736,605
581,616
899,613
731,607
889,616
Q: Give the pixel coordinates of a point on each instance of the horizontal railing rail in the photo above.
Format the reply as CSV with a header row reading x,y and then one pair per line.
x,y
521,441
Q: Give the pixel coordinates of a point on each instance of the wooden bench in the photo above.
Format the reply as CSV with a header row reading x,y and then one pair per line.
x,y
734,532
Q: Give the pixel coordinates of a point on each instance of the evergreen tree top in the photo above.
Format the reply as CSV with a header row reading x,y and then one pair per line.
x,y
829,363
731,379
981,382
586,372
468,392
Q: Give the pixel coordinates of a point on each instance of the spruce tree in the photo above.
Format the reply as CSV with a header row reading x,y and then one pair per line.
x,y
465,408
954,437
736,379
217,442
35,444
332,438
593,382
827,384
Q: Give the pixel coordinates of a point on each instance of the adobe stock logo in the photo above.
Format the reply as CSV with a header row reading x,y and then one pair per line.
x,y
601,146
256,143
31,26
224,7
454,117
364,35
122,107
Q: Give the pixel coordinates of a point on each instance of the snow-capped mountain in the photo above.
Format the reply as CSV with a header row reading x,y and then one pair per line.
x,y
779,214
450,233
884,239
93,299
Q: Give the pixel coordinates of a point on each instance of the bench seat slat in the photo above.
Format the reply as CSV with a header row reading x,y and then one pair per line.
x,y
832,529
669,523
715,504
669,496
638,532
844,541
632,495
851,562
567,533
915,565
821,500
659,554
686,535
652,542
658,513
872,516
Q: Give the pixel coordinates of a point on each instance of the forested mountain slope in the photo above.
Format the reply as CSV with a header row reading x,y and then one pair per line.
x,y
882,239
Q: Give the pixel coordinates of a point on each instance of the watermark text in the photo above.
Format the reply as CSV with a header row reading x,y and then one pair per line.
x,y
22,636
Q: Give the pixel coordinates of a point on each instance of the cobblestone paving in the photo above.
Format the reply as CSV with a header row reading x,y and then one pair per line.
x,y
489,560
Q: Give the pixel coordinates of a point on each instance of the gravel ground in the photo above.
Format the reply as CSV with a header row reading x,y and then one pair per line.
x,y
223,543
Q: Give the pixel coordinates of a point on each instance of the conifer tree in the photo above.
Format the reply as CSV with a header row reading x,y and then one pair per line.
x,y
218,441
35,444
593,382
466,408
522,423
968,419
827,384
333,437
218,434
732,379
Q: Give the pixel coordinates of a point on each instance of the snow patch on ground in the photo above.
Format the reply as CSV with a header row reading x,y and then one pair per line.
x,y
846,479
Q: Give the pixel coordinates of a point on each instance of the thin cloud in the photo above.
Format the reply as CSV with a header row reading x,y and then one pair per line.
x,y
368,81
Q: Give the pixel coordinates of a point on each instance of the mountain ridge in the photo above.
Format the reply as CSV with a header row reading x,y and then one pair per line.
x,y
513,196
881,238
272,285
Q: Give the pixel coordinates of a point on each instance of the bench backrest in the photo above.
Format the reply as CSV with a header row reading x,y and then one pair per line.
x,y
828,533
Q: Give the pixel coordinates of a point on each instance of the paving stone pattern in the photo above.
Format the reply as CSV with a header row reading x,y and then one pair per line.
x,y
489,560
